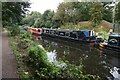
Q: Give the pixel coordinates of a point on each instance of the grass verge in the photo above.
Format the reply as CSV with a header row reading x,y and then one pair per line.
x,y
21,57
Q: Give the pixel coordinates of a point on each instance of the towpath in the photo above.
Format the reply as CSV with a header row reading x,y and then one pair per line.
x,y
9,64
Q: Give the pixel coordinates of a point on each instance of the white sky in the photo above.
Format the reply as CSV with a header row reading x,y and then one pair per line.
x,y
42,5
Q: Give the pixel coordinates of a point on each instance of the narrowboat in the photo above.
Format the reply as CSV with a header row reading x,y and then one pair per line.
x,y
113,43
86,36
35,31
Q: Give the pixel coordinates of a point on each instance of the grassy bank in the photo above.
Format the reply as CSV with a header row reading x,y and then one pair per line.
x,y
21,57
33,63
104,26
102,29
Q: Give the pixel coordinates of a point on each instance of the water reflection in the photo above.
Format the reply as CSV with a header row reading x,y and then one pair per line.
x,y
52,58
94,61
115,73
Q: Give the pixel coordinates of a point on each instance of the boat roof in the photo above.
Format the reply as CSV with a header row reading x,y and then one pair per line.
x,y
66,30
84,30
115,35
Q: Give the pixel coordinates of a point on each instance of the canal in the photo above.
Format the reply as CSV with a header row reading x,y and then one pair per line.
x,y
102,63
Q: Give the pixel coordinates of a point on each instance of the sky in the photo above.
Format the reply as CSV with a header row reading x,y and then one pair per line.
x,y
42,5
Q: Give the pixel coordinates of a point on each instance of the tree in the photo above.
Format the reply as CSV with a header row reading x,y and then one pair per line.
x,y
107,11
12,12
37,22
117,17
46,19
73,12
96,12
32,19
82,11
60,14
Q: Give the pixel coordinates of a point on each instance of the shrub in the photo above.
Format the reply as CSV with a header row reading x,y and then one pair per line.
x,y
44,69
24,39
14,30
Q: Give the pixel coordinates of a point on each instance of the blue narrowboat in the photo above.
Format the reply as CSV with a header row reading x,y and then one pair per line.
x,y
86,36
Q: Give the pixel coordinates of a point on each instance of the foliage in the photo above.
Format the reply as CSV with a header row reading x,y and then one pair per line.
x,y
96,13
46,19
24,40
14,30
107,11
21,58
71,26
107,14
102,27
44,69
118,13
83,11
39,65
38,59
12,12
37,22
73,12
32,19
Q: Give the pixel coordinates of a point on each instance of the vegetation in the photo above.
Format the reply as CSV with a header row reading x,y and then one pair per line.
x,y
71,13
32,19
14,30
33,61
13,12
67,12
50,70
102,29
19,47
118,13
96,13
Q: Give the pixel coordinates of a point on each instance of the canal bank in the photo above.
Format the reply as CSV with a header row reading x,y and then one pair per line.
x,y
95,61
34,61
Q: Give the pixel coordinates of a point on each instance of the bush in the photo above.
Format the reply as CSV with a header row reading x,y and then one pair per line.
x,y
44,69
40,65
14,30
24,40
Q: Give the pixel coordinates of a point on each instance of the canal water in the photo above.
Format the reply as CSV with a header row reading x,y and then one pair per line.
x,y
102,63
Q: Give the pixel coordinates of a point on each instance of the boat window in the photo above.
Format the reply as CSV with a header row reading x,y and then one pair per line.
x,y
81,35
44,31
38,30
51,32
54,32
47,31
73,34
62,33
67,34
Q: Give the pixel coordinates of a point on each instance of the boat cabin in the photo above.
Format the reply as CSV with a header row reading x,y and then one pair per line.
x,y
114,40
71,34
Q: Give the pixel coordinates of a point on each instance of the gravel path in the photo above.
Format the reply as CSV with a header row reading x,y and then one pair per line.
x,y
9,66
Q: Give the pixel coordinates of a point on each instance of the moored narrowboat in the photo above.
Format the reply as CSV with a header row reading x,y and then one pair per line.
x,y
87,36
113,43
35,31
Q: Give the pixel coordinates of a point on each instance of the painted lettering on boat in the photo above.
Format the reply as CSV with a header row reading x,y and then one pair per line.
x,y
113,40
